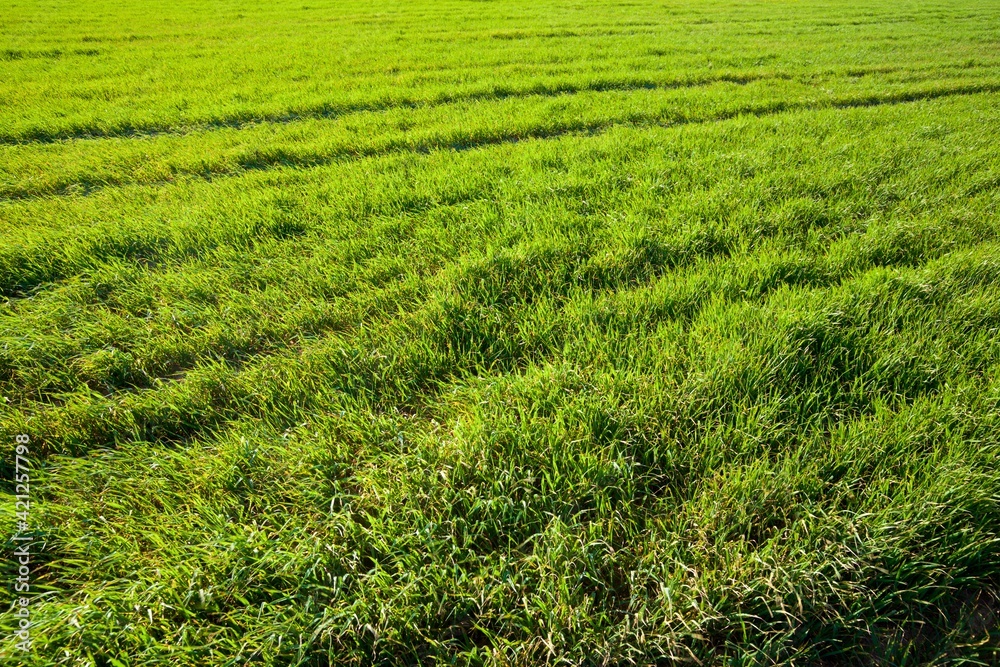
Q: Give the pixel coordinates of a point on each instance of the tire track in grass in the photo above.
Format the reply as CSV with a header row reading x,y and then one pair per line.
x,y
26,269
527,524
261,161
666,252
332,111
651,254
145,360
451,336
18,278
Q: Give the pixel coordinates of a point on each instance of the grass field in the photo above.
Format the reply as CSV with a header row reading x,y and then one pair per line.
x,y
497,332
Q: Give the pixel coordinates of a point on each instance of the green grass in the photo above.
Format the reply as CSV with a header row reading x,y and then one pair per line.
x,y
503,332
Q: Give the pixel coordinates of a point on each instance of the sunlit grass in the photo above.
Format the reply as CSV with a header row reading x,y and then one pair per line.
x,y
504,333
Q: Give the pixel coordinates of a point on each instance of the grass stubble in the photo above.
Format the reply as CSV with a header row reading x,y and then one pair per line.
x,y
504,333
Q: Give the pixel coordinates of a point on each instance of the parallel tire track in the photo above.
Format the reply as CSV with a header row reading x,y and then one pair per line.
x,y
462,142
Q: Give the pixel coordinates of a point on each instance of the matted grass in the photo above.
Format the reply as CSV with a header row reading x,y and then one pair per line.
x,y
504,333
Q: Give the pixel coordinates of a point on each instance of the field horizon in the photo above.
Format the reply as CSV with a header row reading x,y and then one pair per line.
x,y
490,332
